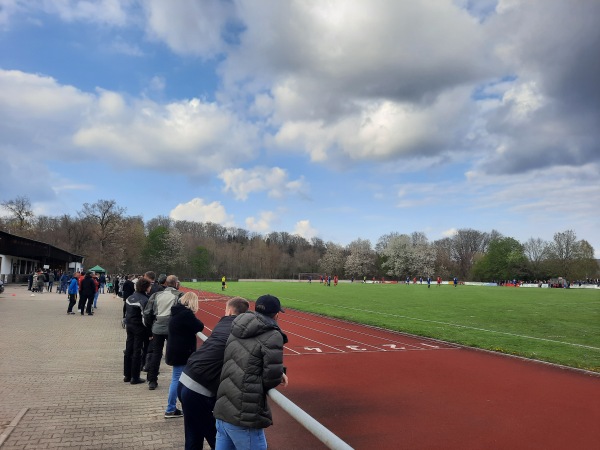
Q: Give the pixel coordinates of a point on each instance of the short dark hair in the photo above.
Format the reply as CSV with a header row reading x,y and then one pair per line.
x,y
239,305
142,285
150,275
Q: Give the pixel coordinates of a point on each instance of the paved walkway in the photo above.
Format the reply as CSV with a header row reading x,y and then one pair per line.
x,y
64,372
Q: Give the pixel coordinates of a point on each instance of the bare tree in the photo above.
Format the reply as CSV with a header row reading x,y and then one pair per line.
x,y
106,217
466,245
444,265
563,251
20,208
537,251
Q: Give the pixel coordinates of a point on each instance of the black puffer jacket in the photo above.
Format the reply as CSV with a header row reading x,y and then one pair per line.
x,y
253,364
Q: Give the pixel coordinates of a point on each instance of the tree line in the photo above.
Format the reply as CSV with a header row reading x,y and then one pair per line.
x,y
104,234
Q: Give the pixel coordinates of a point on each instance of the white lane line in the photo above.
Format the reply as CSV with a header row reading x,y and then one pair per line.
x,y
452,325
336,335
353,331
316,342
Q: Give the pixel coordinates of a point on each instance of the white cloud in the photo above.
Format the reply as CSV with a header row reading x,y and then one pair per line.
x,y
126,48
450,232
112,12
158,84
273,180
304,229
197,210
38,114
194,28
199,137
262,224
385,130
7,9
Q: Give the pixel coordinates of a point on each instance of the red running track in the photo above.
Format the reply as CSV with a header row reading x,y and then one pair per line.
x,y
377,389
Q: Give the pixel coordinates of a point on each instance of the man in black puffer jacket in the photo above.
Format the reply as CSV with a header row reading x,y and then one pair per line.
x,y
199,381
253,364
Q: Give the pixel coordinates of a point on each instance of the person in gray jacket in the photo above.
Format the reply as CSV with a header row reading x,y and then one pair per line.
x,y
254,347
158,314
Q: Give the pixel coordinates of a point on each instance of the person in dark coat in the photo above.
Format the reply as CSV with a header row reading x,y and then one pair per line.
x,y
137,332
253,364
199,381
181,343
127,290
87,290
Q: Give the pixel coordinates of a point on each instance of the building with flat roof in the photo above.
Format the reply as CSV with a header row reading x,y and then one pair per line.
x,y
19,256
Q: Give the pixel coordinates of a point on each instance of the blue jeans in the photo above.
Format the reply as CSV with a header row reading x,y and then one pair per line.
x,y
232,437
172,402
96,299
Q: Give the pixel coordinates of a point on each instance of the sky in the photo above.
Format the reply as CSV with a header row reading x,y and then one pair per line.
x,y
336,119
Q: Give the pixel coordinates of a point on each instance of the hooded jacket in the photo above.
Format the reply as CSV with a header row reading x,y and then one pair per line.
x,y
253,364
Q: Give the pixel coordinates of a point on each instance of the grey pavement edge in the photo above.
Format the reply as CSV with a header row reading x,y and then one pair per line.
x,y
64,375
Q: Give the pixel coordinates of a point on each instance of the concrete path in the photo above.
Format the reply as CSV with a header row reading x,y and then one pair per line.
x,y
61,382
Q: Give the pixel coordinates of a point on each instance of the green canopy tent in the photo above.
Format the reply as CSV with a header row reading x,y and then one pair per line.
x,y
97,269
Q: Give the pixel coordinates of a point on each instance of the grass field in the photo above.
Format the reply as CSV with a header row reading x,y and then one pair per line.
x,y
555,325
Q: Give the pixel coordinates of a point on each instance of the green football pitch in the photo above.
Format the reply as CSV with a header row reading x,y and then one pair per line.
x,y
556,325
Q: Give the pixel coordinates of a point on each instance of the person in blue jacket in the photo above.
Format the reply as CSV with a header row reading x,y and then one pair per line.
x,y
72,291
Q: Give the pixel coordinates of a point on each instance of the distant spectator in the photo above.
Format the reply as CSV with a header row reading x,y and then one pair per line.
x,y
73,289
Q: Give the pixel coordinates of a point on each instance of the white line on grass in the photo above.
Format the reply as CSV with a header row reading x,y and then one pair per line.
x,y
447,323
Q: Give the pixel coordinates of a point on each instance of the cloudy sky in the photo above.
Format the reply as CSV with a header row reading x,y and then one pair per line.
x,y
331,118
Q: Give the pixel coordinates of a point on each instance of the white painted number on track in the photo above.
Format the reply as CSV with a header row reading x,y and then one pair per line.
x,y
355,347
394,347
316,349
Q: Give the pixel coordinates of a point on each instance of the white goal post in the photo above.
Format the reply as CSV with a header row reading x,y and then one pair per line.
x,y
307,276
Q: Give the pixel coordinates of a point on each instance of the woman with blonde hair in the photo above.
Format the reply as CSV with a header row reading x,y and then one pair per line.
x,y
181,343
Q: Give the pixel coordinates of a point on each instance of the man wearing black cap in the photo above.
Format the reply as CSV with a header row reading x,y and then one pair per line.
x,y
255,347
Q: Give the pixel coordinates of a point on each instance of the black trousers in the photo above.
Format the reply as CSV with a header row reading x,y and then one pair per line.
x,y
132,360
158,344
198,420
72,301
83,298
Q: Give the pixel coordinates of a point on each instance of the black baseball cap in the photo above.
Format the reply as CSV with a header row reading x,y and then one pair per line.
x,y
268,304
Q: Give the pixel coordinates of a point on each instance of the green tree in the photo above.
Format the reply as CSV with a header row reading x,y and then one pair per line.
x,y
201,261
504,260
585,265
